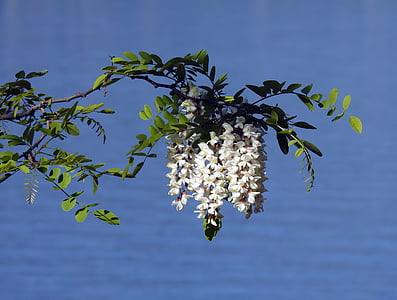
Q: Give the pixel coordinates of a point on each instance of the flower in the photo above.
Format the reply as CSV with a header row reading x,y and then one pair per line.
x,y
229,166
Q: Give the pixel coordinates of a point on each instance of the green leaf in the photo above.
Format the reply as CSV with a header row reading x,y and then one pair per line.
x,y
81,214
141,137
143,115
64,180
212,224
68,204
312,148
338,116
107,216
306,101
356,124
333,95
36,74
346,102
24,169
20,75
212,73
152,130
306,90
148,111
159,122
298,152
259,90
72,129
99,81
304,125
293,87
331,111
107,111
283,143
131,56
54,173
137,168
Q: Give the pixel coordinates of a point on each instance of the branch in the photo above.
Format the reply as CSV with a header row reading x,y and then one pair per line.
x,y
33,109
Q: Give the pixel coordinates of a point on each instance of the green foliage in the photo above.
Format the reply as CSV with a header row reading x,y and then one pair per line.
x,y
39,121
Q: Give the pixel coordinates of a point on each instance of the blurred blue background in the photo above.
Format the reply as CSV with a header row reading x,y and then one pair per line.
x,y
337,242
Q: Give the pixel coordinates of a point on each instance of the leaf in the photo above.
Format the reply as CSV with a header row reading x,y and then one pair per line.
x,y
107,216
131,56
137,168
36,74
346,102
107,111
298,152
338,116
212,224
306,101
312,148
306,90
259,90
152,130
68,204
24,169
72,129
64,180
148,111
333,95
304,125
283,143
81,214
20,75
356,124
212,73
99,81
293,87
146,57
54,173
143,115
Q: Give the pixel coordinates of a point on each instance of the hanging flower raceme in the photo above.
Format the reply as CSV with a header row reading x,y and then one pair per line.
x,y
229,166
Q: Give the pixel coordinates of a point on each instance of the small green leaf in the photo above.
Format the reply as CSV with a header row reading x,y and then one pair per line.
x,y
148,111
107,216
54,173
356,124
20,75
81,214
304,125
36,74
137,168
64,180
259,90
333,95
152,130
293,87
107,111
72,129
298,152
283,143
68,204
306,90
143,115
99,81
141,137
312,148
131,56
24,169
338,116
346,102
212,224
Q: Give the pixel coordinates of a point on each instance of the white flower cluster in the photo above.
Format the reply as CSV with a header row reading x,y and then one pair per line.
x,y
230,166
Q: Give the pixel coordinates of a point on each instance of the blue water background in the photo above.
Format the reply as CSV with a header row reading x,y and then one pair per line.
x,y
337,242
